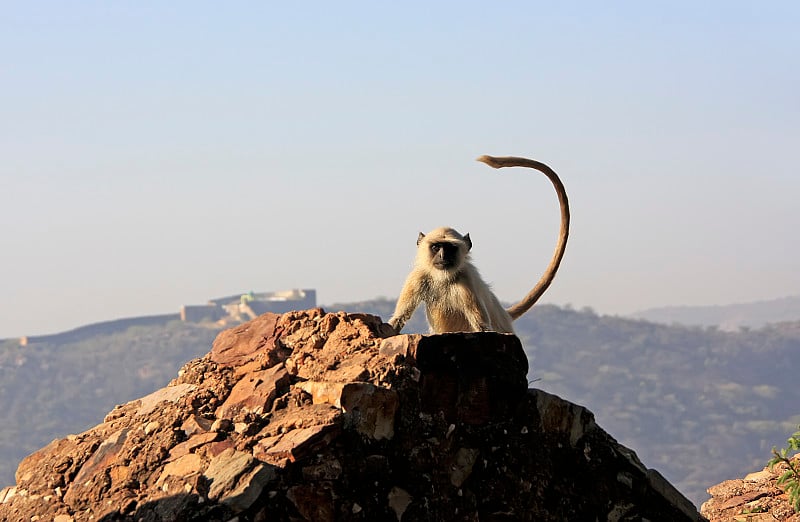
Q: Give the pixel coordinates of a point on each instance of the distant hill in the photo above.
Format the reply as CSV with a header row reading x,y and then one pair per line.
x,y
727,317
52,389
699,404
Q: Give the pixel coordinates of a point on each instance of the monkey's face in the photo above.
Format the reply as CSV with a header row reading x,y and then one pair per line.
x,y
444,255
442,249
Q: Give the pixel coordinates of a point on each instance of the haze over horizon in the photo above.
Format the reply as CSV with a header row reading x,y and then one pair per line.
x,y
155,155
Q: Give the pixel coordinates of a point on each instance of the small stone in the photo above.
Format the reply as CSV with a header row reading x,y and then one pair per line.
x,y
196,424
187,465
759,476
215,448
102,459
399,500
323,392
298,443
150,427
371,408
221,425
255,392
119,474
249,488
188,446
225,469
7,493
149,403
461,468
242,344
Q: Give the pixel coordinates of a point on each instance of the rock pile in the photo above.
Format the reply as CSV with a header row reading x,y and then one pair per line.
x,y
315,416
754,498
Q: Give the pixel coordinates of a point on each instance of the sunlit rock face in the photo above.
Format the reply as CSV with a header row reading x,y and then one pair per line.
x,y
316,416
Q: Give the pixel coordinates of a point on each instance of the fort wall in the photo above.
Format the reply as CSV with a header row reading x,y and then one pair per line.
x,y
276,302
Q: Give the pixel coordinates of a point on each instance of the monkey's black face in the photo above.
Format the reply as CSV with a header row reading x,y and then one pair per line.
x,y
444,256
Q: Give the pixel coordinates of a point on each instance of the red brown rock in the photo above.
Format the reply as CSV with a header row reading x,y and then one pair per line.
x,y
251,340
315,416
754,498
94,470
301,442
255,392
370,409
191,445
169,394
196,424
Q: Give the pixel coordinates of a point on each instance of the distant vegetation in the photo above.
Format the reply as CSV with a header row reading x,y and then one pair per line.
x,y
49,391
698,404
727,317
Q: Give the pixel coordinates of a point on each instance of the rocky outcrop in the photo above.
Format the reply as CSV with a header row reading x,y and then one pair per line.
x,y
315,416
754,498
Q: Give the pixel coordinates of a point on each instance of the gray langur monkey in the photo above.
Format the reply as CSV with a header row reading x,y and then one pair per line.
x,y
456,297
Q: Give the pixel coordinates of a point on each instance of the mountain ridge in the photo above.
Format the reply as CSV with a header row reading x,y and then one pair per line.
x,y
730,317
322,416
685,397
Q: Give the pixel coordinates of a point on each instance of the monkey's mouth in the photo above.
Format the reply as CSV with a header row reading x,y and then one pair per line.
x,y
443,265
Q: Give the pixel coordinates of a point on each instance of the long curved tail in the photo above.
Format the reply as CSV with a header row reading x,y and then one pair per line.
x,y
524,305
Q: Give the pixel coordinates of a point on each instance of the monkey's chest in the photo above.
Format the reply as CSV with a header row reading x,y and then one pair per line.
x,y
448,309
448,319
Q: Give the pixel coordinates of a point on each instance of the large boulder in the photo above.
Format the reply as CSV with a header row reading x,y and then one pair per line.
x,y
315,416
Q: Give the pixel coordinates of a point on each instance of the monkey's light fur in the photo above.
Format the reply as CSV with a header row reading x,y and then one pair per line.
x,y
456,297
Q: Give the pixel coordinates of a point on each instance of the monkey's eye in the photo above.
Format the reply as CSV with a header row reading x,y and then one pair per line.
x,y
435,247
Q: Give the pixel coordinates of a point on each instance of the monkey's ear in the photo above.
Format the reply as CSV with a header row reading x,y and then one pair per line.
x,y
420,238
468,241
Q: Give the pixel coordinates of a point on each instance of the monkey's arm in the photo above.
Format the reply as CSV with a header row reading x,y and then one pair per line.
x,y
474,310
409,300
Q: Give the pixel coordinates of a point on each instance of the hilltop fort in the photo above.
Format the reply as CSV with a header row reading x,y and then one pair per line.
x,y
226,311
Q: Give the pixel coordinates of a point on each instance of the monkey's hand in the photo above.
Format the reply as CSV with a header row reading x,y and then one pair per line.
x,y
396,324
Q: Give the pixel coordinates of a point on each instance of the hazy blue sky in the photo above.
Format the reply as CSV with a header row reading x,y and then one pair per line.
x,y
154,154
